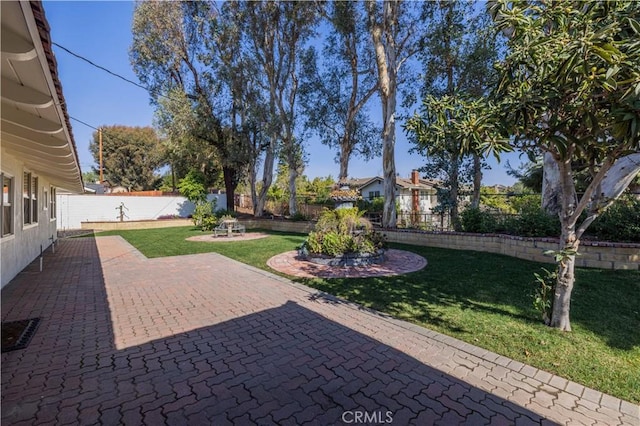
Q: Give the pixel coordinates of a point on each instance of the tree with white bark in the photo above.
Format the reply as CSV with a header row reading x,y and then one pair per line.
x,y
275,33
335,90
570,88
394,29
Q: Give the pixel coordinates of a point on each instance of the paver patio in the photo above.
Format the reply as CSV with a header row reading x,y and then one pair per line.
x,y
202,339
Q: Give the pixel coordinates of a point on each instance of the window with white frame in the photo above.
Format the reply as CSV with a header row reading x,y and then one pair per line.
x,y
6,212
52,202
30,198
374,194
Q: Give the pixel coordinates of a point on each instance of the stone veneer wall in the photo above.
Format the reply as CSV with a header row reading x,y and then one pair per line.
x,y
592,254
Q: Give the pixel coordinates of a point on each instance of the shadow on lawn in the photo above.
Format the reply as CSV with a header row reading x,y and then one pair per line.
x,y
502,288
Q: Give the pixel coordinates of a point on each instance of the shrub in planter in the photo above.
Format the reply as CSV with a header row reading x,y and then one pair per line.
x,y
343,231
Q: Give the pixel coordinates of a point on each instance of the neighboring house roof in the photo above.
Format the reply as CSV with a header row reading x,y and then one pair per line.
x,y
35,122
401,183
498,187
422,184
95,188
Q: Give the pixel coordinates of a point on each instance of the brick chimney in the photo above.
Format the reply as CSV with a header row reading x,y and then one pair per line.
x,y
415,177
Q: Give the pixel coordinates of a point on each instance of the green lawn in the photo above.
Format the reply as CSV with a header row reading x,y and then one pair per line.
x,y
481,298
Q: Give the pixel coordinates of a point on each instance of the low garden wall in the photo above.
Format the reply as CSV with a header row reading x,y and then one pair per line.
x,y
592,254
280,225
136,224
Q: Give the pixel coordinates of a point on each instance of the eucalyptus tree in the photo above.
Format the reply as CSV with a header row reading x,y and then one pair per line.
x,y
393,25
170,54
334,93
176,120
274,34
570,88
457,59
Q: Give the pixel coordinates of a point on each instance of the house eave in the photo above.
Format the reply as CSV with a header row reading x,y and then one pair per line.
x,y
35,122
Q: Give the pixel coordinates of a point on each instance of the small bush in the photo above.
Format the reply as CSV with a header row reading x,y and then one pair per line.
x,y
535,222
476,220
203,216
545,285
372,206
229,214
168,216
343,231
225,218
620,222
299,217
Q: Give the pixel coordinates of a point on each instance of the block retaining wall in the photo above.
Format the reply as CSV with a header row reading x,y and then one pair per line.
x,y
602,255
136,224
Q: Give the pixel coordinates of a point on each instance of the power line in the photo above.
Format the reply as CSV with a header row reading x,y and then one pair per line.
x,y
82,122
106,133
101,67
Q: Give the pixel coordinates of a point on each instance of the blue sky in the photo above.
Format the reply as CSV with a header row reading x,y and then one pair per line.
x,y
101,32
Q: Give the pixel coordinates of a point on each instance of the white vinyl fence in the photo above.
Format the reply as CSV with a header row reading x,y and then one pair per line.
x,y
73,209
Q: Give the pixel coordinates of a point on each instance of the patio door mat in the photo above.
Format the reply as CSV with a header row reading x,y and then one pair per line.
x,y
17,334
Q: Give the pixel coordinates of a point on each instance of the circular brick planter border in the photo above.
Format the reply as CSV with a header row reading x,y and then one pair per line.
x,y
397,262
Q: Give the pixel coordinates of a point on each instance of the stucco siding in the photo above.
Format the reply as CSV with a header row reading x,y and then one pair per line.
x,y
23,246
75,209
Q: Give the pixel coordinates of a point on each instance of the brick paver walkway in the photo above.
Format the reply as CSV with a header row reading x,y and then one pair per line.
x,y
202,339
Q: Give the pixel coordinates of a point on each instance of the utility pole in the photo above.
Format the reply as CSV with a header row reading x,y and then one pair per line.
x,y
100,149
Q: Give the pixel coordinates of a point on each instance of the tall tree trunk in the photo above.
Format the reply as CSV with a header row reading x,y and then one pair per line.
x,y
551,185
386,64
453,193
477,180
230,184
267,177
173,178
253,173
345,154
293,192
566,278
569,244
252,185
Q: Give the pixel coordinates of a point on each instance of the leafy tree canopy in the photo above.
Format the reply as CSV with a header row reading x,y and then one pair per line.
x,y
570,88
131,156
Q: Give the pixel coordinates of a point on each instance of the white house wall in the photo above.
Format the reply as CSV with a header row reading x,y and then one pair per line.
x,y
23,246
403,197
74,209
372,187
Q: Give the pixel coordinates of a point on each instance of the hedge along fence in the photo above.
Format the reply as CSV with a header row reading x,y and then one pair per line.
x,y
592,254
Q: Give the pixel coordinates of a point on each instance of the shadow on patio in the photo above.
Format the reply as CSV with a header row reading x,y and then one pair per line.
x,y
283,364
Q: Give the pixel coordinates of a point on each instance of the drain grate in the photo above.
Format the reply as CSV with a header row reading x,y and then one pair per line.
x,y
17,334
